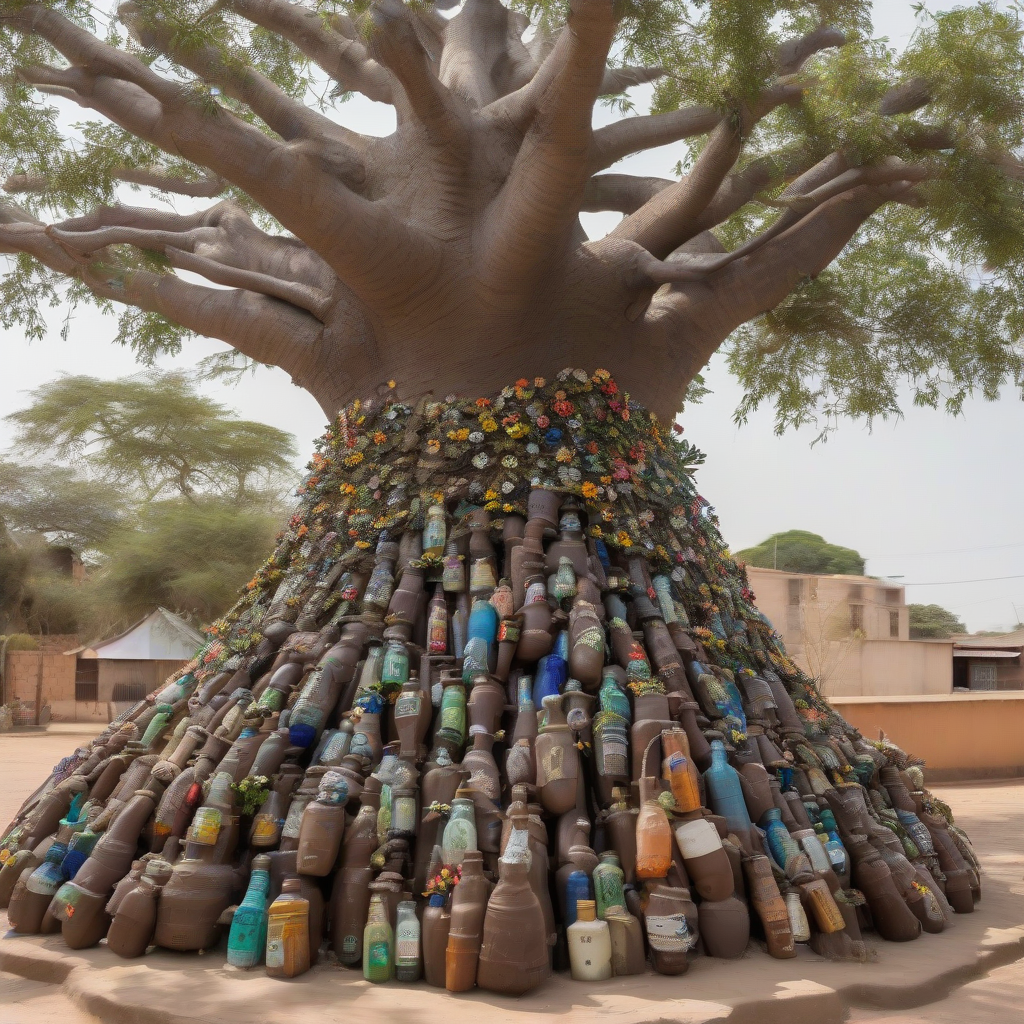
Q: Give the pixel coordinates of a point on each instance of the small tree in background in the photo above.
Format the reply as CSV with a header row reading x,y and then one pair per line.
x,y
172,500
933,622
801,551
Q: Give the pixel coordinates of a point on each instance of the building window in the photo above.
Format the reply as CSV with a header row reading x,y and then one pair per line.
x,y
894,624
857,617
795,592
983,675
87,679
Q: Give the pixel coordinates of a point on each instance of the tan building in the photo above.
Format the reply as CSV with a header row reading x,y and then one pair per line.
x,y
852,633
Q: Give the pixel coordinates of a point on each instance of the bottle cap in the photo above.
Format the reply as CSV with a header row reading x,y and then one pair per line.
x,y
585,910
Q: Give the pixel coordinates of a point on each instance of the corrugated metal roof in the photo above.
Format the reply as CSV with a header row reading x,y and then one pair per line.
x,y
1014,639
977,652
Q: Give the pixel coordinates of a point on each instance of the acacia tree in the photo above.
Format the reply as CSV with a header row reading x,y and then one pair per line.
x,y
853,217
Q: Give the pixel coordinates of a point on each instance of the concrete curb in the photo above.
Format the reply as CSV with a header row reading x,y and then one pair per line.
x,y
169,988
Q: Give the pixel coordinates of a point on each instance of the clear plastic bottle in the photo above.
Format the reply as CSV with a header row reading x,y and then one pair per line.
x,y
408,955
460,832
590,945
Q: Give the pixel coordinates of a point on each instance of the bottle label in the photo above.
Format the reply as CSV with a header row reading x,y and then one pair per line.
x,y
349,943
407,706
378,954
407,950
670,933
265,827
614,752
453,717
206,826
275,951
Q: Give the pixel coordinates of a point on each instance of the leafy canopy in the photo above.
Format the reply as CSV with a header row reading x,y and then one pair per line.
x,y
933,622
802,551
927,297
172,500
155,434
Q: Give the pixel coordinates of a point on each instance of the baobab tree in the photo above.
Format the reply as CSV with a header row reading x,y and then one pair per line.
x,y
850,217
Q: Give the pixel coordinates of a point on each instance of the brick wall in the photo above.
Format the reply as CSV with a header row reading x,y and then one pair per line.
x,y
22,674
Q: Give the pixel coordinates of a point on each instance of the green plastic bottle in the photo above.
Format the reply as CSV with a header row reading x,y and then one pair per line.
x,y
378,943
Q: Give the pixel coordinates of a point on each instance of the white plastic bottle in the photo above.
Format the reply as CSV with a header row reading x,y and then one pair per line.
x,y
590,945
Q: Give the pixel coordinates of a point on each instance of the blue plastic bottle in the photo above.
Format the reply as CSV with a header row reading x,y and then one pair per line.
x,y
722,784
577,887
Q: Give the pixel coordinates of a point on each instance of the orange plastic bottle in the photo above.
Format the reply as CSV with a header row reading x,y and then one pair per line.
x,y
679,771
653,834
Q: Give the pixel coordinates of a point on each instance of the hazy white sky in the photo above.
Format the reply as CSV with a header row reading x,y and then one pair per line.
x,y
930,498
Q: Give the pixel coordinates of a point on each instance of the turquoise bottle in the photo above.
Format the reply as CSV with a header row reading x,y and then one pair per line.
x,y
159,720
781,844
725,795
247,938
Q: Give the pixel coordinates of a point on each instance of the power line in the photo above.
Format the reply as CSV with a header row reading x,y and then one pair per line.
x,y
947,583
949,551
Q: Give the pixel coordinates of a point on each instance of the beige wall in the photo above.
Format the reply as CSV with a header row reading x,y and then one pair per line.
x,y
22,674
865,668
962,735
59,682
838,629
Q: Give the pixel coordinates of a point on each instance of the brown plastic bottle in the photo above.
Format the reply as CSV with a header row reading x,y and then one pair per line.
x,y
350,902
628,955
527,560
557,760
724,928
323,824
892,918
486,704
764,894
586,645
14,867
468,906
288,940
670,919
201,887
514,951
706,860
132,928
757,793
621,824
112,856
435,930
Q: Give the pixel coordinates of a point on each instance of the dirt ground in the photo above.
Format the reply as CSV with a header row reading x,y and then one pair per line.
x,y
992,813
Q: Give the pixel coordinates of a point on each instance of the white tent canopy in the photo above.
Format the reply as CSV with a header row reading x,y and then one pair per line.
x,y
160,636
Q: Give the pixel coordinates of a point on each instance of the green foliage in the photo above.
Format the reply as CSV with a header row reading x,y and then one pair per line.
x,y
925,301
801,551
172,500
189,556
933,622
72,509
21,642
155,434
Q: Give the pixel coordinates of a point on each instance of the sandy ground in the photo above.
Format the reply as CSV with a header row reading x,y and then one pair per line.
x,y
993,814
